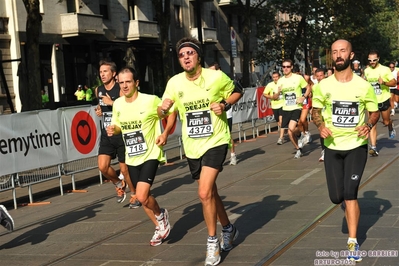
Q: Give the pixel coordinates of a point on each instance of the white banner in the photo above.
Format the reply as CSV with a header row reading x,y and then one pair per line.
x,y
30,140
246,108
38,139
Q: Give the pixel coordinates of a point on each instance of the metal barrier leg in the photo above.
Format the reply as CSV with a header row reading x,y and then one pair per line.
x,y
101,177
14,196
73,181
30,194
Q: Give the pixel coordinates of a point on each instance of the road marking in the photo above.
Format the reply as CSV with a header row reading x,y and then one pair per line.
x,y
299,180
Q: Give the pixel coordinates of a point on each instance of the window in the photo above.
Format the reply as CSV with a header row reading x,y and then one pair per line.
x,y
193,15
131,7
104,9
239,24
230,21
178,17
3,25
213,19
71,6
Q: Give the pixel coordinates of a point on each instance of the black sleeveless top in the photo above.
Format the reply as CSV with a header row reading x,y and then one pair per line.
x,y
107,109
358,72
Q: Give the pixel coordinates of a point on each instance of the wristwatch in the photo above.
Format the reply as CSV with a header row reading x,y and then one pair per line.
x,y
369,125
227,106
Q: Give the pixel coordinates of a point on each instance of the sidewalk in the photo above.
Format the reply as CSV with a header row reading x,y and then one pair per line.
x,y
268,195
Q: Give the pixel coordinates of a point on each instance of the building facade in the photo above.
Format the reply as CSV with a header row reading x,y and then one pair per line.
x,y
77,34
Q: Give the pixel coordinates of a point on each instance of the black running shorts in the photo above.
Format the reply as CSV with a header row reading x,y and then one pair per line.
x,y
144,172
213,158
112,146
344,170
384,105
290,115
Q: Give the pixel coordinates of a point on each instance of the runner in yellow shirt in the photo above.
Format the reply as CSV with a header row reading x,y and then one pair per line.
x,y
346,97
202,97
291,86
380,77
135,116
273,93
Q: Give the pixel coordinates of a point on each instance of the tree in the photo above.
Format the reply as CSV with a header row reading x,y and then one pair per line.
x,y
33,86
367,24
162,9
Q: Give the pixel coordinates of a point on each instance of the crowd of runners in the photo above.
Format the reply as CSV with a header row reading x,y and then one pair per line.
x,y
344,102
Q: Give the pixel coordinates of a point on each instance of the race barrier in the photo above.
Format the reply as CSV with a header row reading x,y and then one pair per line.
x,y
35,145
44,145
252,111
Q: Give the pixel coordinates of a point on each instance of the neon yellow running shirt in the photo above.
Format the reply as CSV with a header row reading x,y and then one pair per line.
x,y
292,90
345,109
140,126
270,89
201,128
372,75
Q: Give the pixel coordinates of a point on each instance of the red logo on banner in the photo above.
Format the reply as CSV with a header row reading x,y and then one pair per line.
x,y
83,132
264,108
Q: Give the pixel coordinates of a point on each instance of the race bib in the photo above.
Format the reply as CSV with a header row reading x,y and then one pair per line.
x,y
290,99
345,114
107,116
377,88
135,143
199,124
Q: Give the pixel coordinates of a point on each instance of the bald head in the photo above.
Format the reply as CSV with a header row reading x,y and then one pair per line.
x,y
342,43
342,54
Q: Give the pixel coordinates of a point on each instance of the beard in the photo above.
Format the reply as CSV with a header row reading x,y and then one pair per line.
x,y
344,66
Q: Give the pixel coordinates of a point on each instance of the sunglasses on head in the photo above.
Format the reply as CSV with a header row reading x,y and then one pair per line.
x,y
189,53
286,66
373,60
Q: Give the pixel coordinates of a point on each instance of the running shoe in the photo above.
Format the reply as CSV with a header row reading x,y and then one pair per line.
x,y
212,253
6,220
233,160
134,203
280,141
120,192
227,238
392,133
321,159
164,225
298,154
354,252
301,140
308,137
156,239
373,151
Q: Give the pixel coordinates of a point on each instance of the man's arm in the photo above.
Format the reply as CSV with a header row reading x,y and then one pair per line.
x,y
317,117
391,83
162,139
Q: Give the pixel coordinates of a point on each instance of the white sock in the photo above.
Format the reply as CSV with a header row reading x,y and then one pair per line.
x,y
232,154
118,184
352,239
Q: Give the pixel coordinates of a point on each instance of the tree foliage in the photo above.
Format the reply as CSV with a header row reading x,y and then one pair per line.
x,y
313,25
